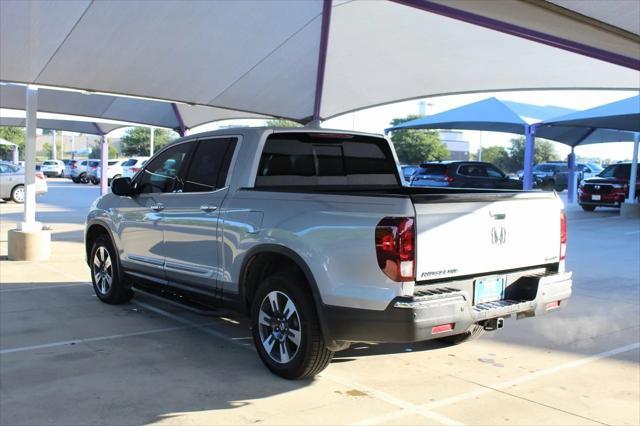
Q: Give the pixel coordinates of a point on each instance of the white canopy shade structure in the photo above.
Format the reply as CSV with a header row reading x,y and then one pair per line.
x,y
171,115
87,127
312,60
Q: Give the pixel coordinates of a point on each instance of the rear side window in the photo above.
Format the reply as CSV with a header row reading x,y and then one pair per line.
x,y
210,164
432,170
111,163
302,159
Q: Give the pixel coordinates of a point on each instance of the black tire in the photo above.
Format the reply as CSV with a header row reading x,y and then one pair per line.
x,y
84,178
116,292
310,356
548,185
587,208
474,332
18,194
75,180
94,180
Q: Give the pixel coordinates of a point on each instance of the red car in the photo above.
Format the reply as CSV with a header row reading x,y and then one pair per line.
x,y
608,189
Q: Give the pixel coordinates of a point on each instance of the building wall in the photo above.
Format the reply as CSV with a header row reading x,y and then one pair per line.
x,y
456,144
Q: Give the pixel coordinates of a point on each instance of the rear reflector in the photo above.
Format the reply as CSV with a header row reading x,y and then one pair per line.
x,y
442,328
552,305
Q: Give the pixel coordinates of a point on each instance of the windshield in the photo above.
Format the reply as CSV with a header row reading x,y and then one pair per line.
x,y
617,171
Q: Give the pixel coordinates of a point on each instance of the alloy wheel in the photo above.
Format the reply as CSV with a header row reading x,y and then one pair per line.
x,y
102,270
279,327
19,195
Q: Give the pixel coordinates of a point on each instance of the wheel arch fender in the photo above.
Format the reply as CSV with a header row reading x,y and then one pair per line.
x,y
308,274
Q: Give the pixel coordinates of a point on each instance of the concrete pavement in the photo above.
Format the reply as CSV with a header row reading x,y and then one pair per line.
x,y
66,358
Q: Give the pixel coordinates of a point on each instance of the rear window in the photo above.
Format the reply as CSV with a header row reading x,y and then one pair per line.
x,y
432,170
301,159
130,162
111,163
94,163
50,163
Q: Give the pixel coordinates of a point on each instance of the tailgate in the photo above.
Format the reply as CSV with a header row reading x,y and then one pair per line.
x,y
472,234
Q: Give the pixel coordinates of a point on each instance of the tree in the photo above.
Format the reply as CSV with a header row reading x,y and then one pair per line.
x,y
544,151
281,122
417,146
136,140
96,152
498,156
15,135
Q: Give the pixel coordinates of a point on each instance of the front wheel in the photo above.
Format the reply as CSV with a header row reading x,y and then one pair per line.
x,y
474,332
106,276
286,329
18,194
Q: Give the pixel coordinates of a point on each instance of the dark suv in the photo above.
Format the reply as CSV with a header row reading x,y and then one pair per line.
x,y
551,175
463,174
608,189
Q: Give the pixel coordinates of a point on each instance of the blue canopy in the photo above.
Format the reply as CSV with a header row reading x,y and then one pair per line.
x,y
505,116
620,115
488,114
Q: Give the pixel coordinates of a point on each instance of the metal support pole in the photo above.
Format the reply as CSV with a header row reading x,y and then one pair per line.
x,y
54,150
29,220
571,179
529,149
634,169
151,140
16,155
480,148
104,165
73,147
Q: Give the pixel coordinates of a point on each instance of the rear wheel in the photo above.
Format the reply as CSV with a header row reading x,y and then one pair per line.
x,y
548,185
286,330
587,208
18,194
75,180
95,180
474,332
84,178
108,282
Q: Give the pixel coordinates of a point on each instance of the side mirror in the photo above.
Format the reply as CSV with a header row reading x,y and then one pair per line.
x,y
122,186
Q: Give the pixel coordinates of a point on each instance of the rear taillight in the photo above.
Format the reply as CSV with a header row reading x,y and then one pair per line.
x,y
135,169
395,247
563,235
448,178
40,175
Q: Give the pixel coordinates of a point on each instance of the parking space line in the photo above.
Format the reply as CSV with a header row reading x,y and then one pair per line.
x,y
383,396
503,385
89,339
44,287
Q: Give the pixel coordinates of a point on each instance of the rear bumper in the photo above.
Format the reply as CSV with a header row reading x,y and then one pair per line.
x,y
411,319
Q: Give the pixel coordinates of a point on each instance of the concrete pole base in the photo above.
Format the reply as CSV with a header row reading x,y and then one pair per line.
x,y
29,245
630,210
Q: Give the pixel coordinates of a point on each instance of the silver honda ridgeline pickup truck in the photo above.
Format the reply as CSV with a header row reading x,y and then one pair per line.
x,y
313,235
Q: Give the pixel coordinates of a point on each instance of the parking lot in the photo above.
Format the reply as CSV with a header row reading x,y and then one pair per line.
x,y
67,359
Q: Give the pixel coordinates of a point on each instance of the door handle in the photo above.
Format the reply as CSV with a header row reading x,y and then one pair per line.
x,y
208,209
157,207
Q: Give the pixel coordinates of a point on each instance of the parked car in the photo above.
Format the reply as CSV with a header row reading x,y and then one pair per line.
x,y
69,165
408,171
609,189
12,182
551,176
312,234
79,171
114,171
463,174
587,170
133,165
52,168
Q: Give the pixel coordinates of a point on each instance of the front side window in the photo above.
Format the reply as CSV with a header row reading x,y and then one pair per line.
x,y
210,164
492,172
162,173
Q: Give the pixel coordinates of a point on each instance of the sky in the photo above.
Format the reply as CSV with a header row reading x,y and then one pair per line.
x,y
375,120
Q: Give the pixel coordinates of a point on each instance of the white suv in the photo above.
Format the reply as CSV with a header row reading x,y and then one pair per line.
x,y
53,168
